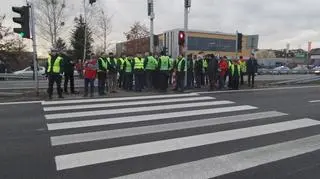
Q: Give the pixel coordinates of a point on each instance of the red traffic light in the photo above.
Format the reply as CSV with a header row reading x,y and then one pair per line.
x,y
181,38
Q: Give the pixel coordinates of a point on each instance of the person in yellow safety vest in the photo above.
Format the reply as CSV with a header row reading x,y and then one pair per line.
x,y
120,69
102,74
235,71
243,66
205,79
138,72
164,67
150,65
112,73
128,73
181,71
54,71
229,74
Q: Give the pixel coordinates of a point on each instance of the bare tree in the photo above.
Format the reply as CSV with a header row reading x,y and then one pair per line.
x,y
50,19
8,41
137,31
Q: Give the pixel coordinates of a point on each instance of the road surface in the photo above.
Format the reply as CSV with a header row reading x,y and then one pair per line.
x,y
247,134
28,84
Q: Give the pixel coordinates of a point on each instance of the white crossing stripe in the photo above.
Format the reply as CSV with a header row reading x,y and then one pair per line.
x,y
133,109
314,101
234,162
137,150
102,135
149,117
125,103
79,101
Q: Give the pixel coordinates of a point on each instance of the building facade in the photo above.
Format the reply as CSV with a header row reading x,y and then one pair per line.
x,y
221,44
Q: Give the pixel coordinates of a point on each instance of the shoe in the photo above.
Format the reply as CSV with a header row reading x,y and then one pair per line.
x,y
50,97
66,92
91,95
61,97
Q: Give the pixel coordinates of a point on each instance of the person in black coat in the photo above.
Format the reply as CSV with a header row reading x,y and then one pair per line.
x,y
68,73
212,71
252,69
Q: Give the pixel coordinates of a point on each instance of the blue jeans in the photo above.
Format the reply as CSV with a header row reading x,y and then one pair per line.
x,y
88,81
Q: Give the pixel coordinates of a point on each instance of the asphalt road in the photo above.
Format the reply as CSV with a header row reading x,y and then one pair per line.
x,y
227,135
29,84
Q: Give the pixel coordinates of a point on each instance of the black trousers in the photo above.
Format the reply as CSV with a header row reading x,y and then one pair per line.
x,y
128,81
251,79
163,77
241,78
139,80
235,82
212,81
180,81
121,79
156,79
198,80
67,78
88,81
54,78
149,79
102,76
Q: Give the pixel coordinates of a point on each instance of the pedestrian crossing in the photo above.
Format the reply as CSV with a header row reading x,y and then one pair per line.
x,y
171,136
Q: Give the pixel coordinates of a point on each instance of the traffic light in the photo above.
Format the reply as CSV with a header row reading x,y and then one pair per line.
x,y
187,3
239,42
181,38
23,20
92,1
150,7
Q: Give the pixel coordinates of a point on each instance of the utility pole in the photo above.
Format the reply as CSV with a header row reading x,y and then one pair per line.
x,y
187,5
237,44
152,16
34,45
85,30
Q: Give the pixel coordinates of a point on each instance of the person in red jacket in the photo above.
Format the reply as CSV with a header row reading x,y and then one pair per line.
x,y
223,68
90,73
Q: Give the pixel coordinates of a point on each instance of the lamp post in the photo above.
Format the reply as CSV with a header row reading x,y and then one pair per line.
x,y
187,5
152,16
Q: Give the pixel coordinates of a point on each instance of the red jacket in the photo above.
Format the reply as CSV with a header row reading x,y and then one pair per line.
x,y
223,66
90,69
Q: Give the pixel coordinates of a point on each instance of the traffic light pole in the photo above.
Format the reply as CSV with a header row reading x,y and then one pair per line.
x,y
186,9
237,45
85,31
35,62
151,33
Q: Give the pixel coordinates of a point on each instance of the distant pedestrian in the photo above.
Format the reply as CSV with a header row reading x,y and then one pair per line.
x,y
69,65
90,73
252,69
112,73
54,71
223,69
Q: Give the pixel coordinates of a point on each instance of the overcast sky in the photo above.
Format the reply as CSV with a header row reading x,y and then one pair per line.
x,y
278,22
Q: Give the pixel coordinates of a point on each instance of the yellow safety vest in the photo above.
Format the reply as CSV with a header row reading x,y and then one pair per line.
x,y
104,64
165,63
56,65
243,66
122,62
232,69
180,65
138,63
128,68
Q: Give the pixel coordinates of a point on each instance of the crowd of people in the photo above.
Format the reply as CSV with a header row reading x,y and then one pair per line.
x,y
148,72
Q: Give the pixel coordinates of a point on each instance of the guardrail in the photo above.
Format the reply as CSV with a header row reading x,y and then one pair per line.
x,y
11,76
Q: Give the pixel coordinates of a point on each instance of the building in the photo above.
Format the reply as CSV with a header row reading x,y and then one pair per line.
x,y
218,43
314,56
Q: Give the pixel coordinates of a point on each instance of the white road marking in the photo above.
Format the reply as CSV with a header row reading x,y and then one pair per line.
x,y
261,89
124,103
21,102
314,101
111,134
79,101
149,117
133,109
75,160
234,162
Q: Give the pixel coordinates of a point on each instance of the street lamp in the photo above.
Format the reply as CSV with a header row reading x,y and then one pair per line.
x,y
187,5
151,15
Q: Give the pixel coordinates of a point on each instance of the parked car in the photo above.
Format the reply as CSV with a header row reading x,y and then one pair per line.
x,y
300,70
316,70
263,71
281,70
28,72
